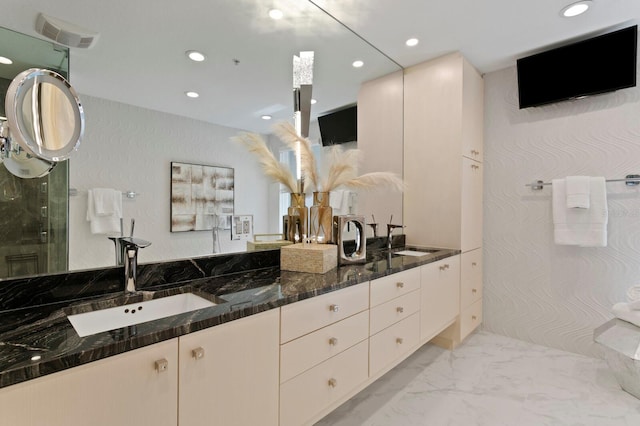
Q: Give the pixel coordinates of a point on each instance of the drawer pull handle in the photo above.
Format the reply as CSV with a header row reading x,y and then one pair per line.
x,y
334,308
474,167
162,365
400,309
333,383
473,317
474,264
444,267
333,341
399,340
474,291
198,353
400,284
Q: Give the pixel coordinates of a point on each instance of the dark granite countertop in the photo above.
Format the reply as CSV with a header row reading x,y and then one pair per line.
x,y
39,340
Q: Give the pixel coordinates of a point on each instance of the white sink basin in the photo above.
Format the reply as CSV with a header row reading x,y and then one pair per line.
x,y
412,253
93,322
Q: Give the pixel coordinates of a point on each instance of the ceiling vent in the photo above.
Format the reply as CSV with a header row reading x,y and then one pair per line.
x,y
65,33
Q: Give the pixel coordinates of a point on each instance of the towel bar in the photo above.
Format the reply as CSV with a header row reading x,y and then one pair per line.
x,y
629,180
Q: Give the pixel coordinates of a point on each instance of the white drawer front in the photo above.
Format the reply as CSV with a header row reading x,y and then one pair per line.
x,y
393,342
307,351
303,317
470,319
309,393
389,287
382,316
471,277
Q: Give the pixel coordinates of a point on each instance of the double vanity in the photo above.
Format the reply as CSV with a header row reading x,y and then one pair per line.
x,y
259,346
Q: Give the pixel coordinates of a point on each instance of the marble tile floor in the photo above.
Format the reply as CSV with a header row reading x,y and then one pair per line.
x,y
491,380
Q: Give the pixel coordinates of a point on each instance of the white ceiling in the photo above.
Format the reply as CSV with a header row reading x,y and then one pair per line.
x,y
139,56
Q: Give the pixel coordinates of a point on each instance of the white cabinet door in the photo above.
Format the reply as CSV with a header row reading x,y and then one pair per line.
x,y
229,373
471,226
124,389
440,296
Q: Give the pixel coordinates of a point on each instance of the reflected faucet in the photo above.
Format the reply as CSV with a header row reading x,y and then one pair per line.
x,y
390,228
130,248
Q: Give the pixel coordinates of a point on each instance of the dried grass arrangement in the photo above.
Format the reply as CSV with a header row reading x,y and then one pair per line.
x,y
342,167
270,165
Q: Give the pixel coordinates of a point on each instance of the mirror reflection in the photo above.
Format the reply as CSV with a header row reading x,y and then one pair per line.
x,y
129,147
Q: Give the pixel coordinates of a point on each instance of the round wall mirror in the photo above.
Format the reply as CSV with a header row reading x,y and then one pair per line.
x,y
45,118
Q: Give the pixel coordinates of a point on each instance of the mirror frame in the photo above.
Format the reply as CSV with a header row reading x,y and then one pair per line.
x,y
23,84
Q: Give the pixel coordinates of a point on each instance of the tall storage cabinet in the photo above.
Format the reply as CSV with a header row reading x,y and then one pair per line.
x,y
443,154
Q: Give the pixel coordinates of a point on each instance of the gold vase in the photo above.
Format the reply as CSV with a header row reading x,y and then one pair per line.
x,y
297,226
321,215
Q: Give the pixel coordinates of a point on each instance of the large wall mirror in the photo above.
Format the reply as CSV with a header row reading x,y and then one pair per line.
x,y
138,119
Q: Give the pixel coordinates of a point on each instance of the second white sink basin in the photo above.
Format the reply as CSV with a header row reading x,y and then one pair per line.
x,y
93,322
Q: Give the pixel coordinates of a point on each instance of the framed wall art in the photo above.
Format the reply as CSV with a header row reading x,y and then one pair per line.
x,y
201,197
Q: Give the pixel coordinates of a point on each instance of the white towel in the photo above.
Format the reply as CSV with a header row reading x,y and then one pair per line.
x,y
578,192
104,210
624,312
581,227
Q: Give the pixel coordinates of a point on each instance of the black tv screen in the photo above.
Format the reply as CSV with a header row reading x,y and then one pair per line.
x,y
597,65
339,127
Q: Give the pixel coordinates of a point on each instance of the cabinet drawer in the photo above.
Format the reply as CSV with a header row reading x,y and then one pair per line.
x,y
470,319
389,287
393,342
471,277
309,393
309,315
382,316
303,353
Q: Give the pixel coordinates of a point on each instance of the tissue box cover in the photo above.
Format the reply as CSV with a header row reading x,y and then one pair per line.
x,y
314,258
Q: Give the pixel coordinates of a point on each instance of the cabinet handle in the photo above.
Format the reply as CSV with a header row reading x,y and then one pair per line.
x,y
333,383
473,317
474,291
198,353
399,340
400,309
474,167
162,365
334,308
444,267
333,341
400,284
474,264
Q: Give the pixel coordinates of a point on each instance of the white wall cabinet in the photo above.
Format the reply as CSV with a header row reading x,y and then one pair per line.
x,y
443,154
124,389
229,374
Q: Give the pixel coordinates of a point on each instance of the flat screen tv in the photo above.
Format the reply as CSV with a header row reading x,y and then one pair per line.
x,y
339,126
597,65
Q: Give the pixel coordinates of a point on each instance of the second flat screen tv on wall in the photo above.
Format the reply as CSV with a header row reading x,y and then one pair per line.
x,y
597,65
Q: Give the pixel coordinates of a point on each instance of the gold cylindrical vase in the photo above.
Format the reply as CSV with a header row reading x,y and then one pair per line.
x,y
298,225
321,216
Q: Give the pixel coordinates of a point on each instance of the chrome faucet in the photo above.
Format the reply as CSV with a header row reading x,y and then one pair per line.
x,y
130,248
390,228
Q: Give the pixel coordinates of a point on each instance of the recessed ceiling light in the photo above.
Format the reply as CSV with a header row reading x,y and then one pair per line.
x,y
5,61
265,117
357,64
313,101
275,14
196,56
412,42
575,9
36,358
192,94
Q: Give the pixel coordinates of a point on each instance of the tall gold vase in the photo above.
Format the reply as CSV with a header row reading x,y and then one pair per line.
x,y
321,215
298,225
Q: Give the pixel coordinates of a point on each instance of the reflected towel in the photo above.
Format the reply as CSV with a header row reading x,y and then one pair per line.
x,y
104,223
578,192
581,227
